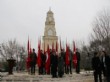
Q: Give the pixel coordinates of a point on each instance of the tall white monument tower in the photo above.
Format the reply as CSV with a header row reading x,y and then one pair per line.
x,y
49,37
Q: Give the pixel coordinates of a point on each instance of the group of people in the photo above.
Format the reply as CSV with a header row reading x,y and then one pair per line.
x,y
101,65
57,64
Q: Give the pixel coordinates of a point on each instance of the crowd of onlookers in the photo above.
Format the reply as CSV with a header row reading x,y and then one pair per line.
x,y
101,66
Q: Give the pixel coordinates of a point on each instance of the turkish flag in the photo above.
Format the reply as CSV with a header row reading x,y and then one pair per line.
x,y
67,55
30,50
28,60
47,65
74,56
39,54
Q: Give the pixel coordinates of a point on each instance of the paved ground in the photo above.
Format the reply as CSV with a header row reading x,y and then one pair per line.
x,y
25,77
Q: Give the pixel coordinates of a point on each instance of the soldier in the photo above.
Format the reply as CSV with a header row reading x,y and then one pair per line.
x,y
78,61
60,65
105,59
33,58
96,65
43,61
54,64
69,68
63,56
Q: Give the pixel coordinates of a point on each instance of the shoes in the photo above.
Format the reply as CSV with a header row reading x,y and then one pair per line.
x,y
32,73
78,73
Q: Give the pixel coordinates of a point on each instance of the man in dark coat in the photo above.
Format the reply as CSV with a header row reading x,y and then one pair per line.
x,y
63,56
106,65
51,54
60,65
78,61
96,65
70,61
33,58
54,64
43,61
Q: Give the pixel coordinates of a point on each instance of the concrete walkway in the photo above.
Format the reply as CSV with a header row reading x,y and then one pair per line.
x,y
25,77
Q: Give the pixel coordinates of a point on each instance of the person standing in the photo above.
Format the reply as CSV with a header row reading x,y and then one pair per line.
x,y
54,64
78,61
43,61
70,61
105,65
60,65
40,70
33,58
96,65
63,53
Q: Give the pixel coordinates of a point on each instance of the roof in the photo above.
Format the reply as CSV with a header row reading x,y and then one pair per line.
x,y
49,12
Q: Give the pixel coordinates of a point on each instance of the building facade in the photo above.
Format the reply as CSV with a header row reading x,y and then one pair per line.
x,y
50,38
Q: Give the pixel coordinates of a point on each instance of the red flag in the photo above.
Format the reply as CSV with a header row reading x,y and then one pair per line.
x,y
67,55
39,54
47,66
74,56
28,60
30,49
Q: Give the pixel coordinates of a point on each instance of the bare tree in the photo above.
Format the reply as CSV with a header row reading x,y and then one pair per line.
x,y
101,30
11,49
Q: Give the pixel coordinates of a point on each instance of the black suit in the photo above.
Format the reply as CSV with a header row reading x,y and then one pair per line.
x,y
42,67
78,62
54,65
106,67
33,62
64,58
97,67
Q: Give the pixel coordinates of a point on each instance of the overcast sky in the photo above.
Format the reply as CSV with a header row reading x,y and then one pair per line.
x,y
73,18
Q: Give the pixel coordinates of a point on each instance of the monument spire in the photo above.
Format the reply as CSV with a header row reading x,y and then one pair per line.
x,y
50,36
49,8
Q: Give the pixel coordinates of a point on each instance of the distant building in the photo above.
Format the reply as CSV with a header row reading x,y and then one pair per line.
x,y
49,37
